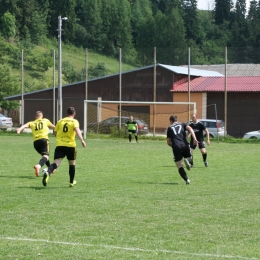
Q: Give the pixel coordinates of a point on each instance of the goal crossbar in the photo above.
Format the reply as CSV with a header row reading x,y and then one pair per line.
x,y
127,103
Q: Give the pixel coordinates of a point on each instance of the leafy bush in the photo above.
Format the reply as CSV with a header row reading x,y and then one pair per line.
x,y
115,132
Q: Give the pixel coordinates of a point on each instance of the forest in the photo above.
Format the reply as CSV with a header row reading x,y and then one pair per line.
x,y
135,26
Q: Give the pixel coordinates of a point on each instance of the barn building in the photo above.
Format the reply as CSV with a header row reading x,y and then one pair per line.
x,y
206,89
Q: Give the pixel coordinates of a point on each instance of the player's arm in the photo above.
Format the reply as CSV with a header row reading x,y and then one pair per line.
x,y
195,141
78,132
207,134
19,130
52,126
188,134
136,128
168,140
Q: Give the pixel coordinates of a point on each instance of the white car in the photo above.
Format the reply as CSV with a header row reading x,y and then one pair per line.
x,y
215,127
5,122
252,135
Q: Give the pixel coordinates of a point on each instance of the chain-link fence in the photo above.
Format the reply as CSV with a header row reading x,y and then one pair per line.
x,y
40,70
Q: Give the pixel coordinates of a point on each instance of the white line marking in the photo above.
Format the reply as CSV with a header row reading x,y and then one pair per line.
x,y
129,248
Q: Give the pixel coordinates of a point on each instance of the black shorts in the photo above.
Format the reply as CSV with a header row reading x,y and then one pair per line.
x,y
132,131
62,151
181,151
201,144
42,146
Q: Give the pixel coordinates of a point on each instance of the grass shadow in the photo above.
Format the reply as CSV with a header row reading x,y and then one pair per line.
x,y
19,177
41,187
156,183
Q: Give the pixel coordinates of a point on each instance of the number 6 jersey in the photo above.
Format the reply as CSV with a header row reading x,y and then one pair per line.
x,y
65,132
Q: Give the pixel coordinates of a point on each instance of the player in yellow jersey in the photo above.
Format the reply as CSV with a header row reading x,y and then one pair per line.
x,y
65,132
40,131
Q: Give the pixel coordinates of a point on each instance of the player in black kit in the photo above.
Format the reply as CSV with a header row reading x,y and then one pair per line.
x,y
198,129
176,138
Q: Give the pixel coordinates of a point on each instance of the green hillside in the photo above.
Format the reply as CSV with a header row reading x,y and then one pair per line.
x,y
39,61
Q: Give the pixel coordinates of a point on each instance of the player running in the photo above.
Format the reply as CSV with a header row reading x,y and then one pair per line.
x,y
198,129
40,131
176,138
65,132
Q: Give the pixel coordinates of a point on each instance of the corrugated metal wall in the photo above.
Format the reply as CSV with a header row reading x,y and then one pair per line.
x,y
243,111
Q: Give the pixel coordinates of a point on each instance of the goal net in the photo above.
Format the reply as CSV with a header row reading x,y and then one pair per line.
x,y
102,117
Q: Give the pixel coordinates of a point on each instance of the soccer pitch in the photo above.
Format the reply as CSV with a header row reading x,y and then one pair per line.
x,y
130,203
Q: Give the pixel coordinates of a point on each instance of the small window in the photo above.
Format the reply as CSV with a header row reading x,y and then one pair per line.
x,y
115,120
211,124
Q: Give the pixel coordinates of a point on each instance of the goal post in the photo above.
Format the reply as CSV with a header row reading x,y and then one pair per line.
x,y
100,115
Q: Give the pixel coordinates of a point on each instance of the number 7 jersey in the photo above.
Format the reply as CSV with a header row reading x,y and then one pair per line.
x,y
40,128
65,132
177,133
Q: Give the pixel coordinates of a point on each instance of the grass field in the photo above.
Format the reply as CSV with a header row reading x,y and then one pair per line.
x,y
130,203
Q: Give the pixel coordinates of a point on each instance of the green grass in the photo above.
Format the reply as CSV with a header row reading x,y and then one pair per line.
x,y
76,56
130,203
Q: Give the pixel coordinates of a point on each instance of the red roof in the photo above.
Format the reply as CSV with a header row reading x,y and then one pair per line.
x,y
212,84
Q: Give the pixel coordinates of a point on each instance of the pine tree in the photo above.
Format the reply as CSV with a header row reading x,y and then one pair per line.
x,y
191,21
222,10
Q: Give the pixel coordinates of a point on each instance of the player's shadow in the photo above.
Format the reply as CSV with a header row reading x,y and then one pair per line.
x,y
41,188
168,183
17,177
160,183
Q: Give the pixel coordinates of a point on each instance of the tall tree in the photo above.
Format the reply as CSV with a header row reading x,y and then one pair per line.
x,y
117,31
239,33
63,8
170,39
141,12
164,5
31,19
8,25
9,85
253,18
191,21
222,10
143,30
89,15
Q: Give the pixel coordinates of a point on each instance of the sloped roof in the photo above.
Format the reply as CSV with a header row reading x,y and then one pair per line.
x,y
175,69
193,72
232,69
217,84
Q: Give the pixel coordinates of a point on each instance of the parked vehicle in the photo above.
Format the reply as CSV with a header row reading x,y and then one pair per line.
x,y
215,127
252,135
104,126
5,122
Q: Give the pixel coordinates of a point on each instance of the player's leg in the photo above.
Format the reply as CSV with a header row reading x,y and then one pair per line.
x,y
129,136
186,153
71,156
178,161
204,155
136,136
182,172
42,147
59,154
192,148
